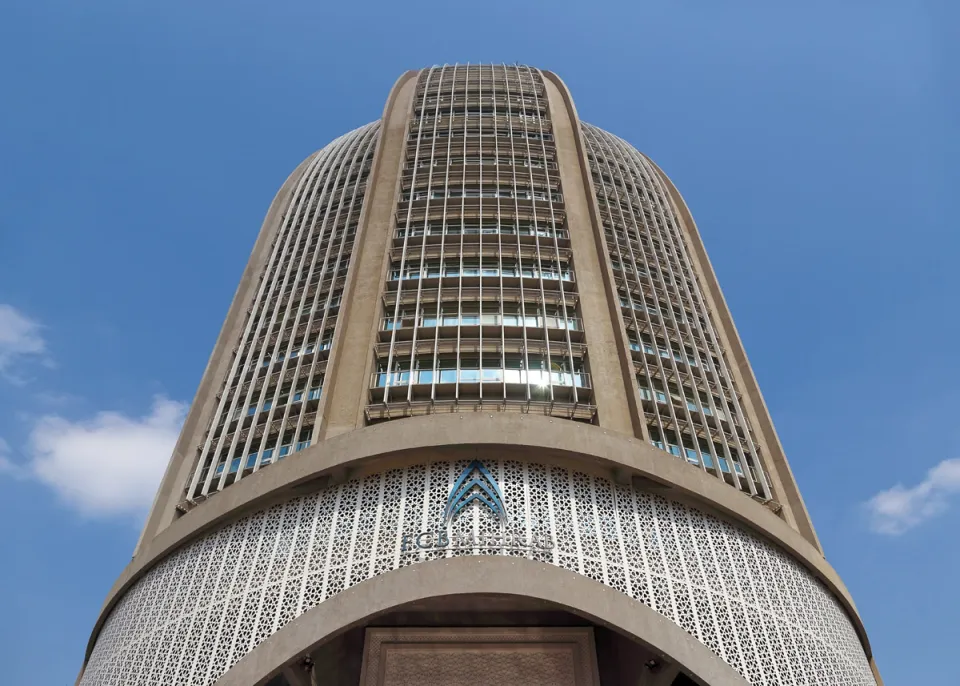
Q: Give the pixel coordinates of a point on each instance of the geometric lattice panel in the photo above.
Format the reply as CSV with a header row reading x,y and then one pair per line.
x,y
204,607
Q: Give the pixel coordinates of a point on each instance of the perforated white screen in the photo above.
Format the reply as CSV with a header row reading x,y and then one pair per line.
x,y
207,605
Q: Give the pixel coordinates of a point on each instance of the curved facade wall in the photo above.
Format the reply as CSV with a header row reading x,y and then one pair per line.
x,y
267,403
691,404
478,249
207,605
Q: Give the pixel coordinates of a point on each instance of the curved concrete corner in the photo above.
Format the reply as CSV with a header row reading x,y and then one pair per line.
x,y
480,575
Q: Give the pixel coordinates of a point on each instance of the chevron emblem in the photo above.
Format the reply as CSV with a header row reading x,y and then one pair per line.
x,y
475,483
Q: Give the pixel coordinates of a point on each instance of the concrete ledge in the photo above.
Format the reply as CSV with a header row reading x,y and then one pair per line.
x,y
480,575
513,436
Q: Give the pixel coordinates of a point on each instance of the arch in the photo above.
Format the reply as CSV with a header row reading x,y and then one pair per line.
x,y
480,575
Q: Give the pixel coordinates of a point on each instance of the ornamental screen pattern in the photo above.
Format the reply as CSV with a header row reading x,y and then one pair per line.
x,y
480,302
267,405
199,611
690,401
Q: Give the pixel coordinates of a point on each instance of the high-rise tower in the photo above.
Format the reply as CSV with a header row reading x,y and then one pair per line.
x,y
478,414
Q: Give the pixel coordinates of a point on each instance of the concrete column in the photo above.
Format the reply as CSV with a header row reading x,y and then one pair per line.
x,y
617,407
351,361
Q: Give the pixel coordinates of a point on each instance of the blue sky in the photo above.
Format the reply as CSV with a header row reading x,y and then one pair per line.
x,y
141,143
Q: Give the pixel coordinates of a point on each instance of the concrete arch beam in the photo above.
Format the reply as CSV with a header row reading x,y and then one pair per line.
x,y
480,575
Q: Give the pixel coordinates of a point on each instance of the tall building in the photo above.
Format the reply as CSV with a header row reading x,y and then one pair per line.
x,y
478,414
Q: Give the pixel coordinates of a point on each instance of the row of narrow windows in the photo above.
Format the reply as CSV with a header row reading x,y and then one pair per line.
x,y
298,396
532,370
320,267
665,353
682,316
487,228
488,192
477,109
605,200
655,254
622,184
467,79
270,454
550,271
480,133
650,274
305,311
493,314
665,397
317,185
300,352
502,161
627,171
684,447
475,96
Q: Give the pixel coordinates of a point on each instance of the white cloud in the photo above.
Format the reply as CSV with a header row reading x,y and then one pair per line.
x,y
19,337
6,466
898,509
109,465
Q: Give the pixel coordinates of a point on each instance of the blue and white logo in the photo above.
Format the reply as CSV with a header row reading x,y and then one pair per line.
x,y
476,483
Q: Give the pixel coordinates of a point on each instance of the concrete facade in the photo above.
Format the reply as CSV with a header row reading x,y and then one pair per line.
x,y
479,278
